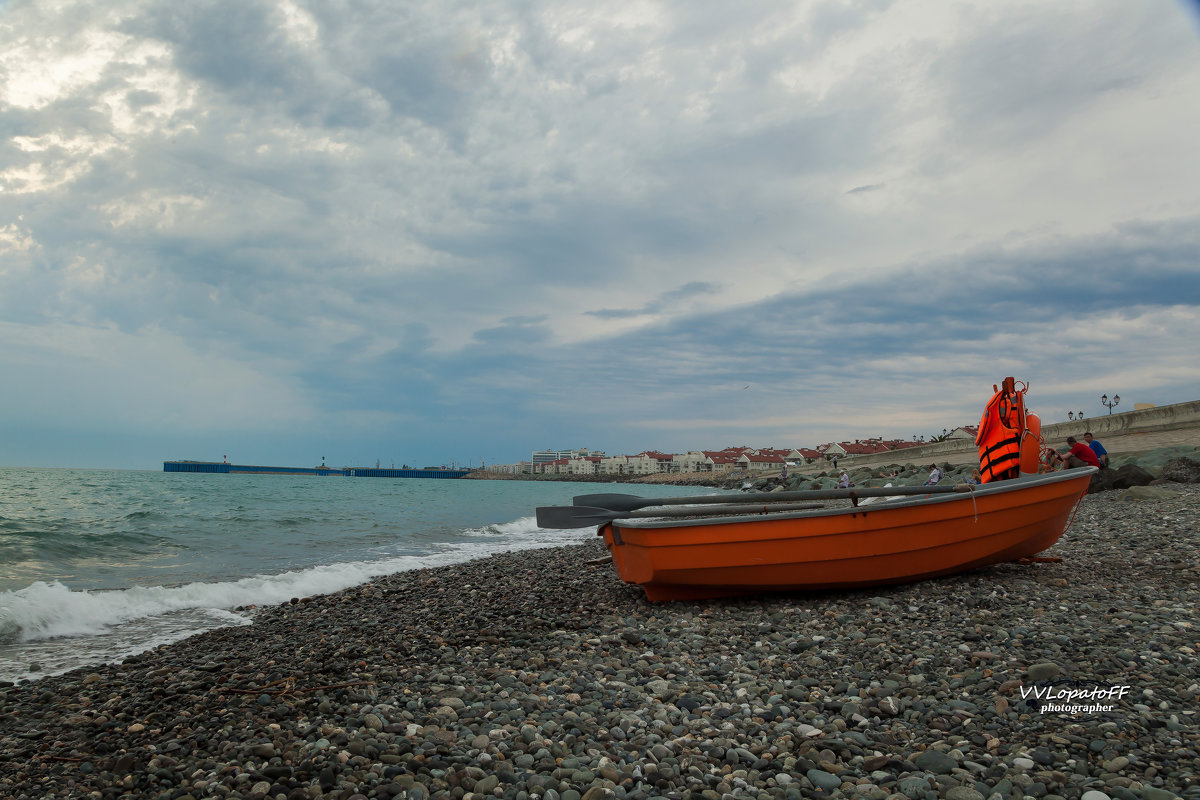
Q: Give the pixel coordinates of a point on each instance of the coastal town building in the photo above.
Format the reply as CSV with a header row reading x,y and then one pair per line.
x,y
691,461
759,462
547,456
585,462
747,460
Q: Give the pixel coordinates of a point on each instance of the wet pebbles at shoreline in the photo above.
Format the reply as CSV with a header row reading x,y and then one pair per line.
x,y
537,674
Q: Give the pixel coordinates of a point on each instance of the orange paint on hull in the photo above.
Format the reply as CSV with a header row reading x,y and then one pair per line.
x,y
871,545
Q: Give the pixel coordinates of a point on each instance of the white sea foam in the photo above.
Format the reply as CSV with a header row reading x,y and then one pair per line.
x,y
61,628
93,588
47,610
35,659
522,527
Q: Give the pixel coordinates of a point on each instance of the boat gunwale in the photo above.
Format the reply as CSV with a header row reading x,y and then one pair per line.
x,y
974,491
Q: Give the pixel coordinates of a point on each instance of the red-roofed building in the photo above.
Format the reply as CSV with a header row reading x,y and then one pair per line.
x,y
649,463
559,466
723,460
588,465
759,462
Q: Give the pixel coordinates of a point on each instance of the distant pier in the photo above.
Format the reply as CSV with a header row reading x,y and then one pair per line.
x,y
225,468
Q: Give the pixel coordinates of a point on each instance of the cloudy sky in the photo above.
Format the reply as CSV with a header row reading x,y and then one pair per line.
x,y
438,231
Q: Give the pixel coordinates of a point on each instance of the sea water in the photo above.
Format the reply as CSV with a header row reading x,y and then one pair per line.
x,y
96,565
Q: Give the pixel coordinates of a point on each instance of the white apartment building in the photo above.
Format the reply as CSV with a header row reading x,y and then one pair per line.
x,y
546,456
691,461
614,465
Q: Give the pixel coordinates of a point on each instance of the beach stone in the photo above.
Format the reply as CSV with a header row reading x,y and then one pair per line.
x,y
1044,757
1116,764
1045,671
1154,793
1002,787
1181,470
935,761
914,787
963,793
823,780
1123,477
659,688
1094,794
875,763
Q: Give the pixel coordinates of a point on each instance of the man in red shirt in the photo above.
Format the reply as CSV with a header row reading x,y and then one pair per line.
x,y
1080,455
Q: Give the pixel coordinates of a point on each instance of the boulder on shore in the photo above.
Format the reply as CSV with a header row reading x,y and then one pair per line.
x,y
1181,470
1124,477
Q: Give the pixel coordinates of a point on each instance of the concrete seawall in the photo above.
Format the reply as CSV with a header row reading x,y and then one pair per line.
x,y
1159,418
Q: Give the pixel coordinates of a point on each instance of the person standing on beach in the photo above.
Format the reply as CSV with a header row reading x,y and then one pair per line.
x,y
1080,455
1097,448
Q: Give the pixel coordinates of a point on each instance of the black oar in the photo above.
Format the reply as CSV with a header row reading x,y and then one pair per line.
x,y
631,502
584,517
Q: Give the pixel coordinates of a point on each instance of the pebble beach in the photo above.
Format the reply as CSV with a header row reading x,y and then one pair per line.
x,y
537,674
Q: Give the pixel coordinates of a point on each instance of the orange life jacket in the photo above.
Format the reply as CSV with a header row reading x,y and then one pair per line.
x,y
1007,446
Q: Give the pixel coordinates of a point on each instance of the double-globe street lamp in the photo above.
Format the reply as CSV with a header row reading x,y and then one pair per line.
x,y
1104,401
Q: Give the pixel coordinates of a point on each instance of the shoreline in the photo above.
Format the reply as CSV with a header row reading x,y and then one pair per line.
x,y
538,674
1128,435
873,472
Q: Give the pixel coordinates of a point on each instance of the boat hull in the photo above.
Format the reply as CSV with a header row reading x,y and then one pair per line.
x,y
871,545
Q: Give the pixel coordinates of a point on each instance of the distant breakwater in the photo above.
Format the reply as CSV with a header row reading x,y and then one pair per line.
x,y
225,468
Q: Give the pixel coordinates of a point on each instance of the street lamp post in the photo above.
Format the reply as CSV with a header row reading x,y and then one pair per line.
x,y
1104,401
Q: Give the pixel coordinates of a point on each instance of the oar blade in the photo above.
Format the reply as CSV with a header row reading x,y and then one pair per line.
x,y
613,502
564,517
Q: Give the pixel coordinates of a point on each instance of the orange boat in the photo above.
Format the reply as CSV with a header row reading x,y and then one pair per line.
x,y
683,549
868,545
